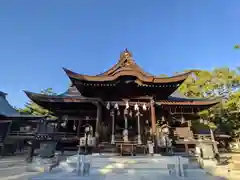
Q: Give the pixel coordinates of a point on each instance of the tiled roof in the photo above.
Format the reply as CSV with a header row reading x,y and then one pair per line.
x,y
71,92
177,98
7,110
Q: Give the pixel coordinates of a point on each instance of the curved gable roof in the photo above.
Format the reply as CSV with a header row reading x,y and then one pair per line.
x,y
126,66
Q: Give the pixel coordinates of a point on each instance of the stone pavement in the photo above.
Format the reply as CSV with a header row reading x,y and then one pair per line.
x,y
14,168
108,168
133,168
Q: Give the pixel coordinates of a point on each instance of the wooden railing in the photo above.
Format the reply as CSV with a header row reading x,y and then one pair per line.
x,y
62,134
19,133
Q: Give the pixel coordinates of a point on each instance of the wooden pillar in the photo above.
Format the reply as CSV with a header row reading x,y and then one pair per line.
x,y
153,120
139,129
186,147
112,113
125,131
153,117
98,119
79,127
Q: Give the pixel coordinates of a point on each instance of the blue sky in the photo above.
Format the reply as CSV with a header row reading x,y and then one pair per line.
x,y
38,38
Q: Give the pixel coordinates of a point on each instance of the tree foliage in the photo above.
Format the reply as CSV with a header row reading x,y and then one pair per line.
x,y
237,46
34,109
222,83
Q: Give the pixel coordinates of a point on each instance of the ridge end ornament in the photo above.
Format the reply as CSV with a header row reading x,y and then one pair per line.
x,y
126,58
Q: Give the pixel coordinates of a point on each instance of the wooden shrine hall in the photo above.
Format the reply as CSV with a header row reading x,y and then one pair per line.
x,y
125,105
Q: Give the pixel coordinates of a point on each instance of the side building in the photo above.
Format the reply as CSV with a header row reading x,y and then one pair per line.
x,y
15,128
126,106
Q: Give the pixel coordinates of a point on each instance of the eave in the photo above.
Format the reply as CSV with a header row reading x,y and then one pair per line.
x,y
126,72
189,102
58,98
169,102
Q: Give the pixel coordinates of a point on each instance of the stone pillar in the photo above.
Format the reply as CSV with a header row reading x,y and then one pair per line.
x,y
125,131
112,113
139,129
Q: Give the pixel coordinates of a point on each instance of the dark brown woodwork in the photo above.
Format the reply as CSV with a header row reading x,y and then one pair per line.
x,y
153,117
113,115
190,102
98,120
78,128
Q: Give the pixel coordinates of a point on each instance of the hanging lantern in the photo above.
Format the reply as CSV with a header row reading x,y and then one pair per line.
x,y
118,113
136,108
163,119
63,124
127,105
144,107
201,120
130,113
65,119
108,106
87,129
125,111
116,106
74,127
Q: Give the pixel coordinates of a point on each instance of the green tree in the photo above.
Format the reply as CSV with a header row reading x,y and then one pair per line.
x,y
34,109
237,46
221,83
